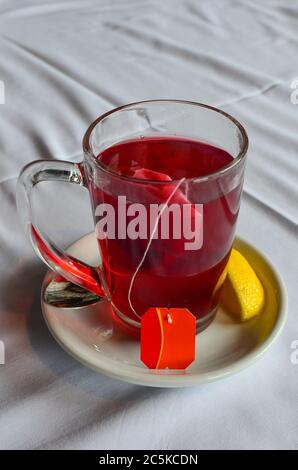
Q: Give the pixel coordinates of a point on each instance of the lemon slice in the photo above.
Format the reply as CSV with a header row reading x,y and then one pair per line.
x,y
242,294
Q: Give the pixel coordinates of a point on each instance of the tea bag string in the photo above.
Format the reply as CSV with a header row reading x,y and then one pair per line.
x,y
148,245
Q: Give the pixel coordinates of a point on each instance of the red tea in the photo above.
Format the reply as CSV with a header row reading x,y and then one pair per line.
x,y
170,275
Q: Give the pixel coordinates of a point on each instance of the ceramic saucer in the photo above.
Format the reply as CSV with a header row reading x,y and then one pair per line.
x,y
224,348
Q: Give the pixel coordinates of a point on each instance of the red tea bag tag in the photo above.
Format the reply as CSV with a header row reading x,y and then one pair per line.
x,y
168,338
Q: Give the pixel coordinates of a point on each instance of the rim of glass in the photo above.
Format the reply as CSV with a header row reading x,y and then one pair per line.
x,y
225,169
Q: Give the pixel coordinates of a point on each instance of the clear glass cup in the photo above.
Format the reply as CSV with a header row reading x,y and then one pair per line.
x,y
136,274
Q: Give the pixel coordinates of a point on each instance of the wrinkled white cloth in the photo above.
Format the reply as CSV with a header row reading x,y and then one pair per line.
x,y
63,63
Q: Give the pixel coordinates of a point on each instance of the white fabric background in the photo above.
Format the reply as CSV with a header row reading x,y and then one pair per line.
x,y
63,64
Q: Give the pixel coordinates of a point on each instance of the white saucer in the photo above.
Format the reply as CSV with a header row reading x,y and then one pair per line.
x,y
224,348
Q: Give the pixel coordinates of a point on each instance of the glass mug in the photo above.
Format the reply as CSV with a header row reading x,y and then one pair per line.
x,y
137,273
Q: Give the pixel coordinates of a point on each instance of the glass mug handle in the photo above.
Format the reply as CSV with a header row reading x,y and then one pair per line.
x,y
64,264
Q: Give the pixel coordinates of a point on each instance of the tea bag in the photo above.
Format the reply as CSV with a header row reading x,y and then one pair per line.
x,y
171,194
165,252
